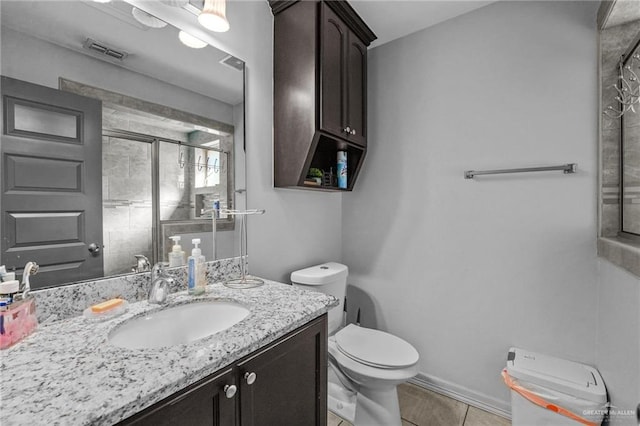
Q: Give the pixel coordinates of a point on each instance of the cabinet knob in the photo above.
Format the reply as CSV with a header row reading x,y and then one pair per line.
x,y
230,391
353,132
250,377
347,130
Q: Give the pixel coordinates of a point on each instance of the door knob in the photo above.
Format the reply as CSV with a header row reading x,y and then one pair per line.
x,y
230,391
347,130
353,132
94,248
250,377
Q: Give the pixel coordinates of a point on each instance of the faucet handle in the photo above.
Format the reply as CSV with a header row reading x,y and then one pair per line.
x,y
157,271
142,264
159,291
160,284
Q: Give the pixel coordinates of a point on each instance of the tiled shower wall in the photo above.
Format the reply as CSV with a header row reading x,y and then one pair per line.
x,y
126,194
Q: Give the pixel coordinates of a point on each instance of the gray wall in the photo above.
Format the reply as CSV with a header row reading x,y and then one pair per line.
x,y
465,269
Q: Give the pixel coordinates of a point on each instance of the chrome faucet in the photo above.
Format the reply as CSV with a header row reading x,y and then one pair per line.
x,y
31,268
142,264
160,285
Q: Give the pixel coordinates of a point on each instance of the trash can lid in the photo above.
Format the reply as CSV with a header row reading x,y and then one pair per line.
x,y
573,378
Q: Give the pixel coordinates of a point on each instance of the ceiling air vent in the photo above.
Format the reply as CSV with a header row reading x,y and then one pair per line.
x,y
233,62
104,49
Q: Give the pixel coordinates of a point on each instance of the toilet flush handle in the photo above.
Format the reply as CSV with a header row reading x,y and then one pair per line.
x,y
250,377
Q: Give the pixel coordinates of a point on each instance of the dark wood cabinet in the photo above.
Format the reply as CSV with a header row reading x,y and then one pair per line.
x,y
320,81
211,401
332,68
356,90
284,383
343,77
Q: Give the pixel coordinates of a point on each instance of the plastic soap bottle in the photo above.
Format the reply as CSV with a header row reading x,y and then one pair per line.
x,y
197,270
176,255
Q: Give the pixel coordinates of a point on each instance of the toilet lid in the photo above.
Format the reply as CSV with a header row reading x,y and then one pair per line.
x,y
375,348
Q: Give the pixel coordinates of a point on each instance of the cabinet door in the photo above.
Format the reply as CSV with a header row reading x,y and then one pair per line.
x,y
286,384
357,90
332,73
203,403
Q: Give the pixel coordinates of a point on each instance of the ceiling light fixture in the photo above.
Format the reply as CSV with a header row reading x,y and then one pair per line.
x,y
147,19
213,16
191,41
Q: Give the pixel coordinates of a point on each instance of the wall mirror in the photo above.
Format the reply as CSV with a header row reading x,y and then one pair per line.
x,y
172,137
630,147
619,23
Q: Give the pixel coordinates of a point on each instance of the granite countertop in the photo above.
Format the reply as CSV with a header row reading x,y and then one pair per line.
x,y
67,373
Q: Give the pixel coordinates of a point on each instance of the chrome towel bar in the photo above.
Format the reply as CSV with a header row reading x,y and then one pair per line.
x,y
566,168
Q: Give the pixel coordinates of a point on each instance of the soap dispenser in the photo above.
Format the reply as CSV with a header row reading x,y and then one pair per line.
x,y
197,270
176,255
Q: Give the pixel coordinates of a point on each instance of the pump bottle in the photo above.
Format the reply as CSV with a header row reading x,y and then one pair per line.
x,y
176,255
196,270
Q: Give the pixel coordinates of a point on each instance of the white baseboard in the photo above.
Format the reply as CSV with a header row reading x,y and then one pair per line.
x,y
462,394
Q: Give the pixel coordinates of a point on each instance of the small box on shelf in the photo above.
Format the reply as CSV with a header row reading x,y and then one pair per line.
x,y
312,182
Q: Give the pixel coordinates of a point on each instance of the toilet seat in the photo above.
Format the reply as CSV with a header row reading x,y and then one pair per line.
x,y
375,348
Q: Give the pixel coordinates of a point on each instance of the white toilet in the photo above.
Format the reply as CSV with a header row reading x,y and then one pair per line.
x,y
366,365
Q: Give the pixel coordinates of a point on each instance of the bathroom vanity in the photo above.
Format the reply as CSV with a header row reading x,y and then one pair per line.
x,y
269,368
283,383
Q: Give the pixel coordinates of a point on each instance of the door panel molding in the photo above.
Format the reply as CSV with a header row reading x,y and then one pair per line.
x,y
39,121
31,173
51,201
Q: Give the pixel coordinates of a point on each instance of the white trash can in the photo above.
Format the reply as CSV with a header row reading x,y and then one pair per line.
x,y
551,391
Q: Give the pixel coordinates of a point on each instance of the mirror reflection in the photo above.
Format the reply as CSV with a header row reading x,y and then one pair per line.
x,y
171,142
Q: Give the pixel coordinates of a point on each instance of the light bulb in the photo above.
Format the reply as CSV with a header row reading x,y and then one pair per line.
x,y
191,41
213,22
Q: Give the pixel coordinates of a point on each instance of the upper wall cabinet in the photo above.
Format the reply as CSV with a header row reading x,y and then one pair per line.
x,y
320,89
343,77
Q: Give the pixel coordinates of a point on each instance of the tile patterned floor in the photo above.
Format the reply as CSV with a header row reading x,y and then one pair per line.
x,y
421,407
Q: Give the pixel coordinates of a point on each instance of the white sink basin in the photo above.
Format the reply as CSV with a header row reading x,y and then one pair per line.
x,y
178,324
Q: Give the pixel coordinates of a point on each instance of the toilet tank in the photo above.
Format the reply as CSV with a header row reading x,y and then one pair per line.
x,y
329,278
